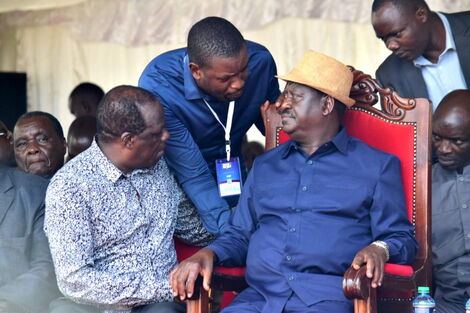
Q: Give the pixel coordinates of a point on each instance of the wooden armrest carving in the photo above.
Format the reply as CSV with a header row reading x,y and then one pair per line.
x,y
356,285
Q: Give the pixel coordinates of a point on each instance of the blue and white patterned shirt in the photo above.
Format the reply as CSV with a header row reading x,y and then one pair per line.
x,y
111,235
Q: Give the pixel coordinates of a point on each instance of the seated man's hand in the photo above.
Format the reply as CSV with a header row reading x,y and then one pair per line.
x,y
374,257
183,276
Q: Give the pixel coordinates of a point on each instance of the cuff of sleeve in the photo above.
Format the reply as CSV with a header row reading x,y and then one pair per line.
x,y
219,253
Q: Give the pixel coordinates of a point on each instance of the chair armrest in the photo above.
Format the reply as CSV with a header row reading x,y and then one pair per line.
x,y
356,284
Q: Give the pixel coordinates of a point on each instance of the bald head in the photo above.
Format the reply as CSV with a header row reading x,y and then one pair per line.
x,y
451,131
80,136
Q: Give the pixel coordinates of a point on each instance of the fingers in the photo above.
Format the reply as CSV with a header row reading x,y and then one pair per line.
x,y
358,261
206,279
265,105
375,266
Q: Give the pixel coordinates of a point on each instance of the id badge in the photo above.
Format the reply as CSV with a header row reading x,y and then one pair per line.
x,y
228,176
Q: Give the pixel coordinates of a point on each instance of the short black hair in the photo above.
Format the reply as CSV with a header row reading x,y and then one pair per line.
x,y
409,6
89,89
118,112
55,122
213,37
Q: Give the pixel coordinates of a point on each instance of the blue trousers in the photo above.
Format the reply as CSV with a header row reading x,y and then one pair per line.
x,y
250,301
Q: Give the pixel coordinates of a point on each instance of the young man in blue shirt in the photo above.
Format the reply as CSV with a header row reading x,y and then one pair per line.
x,y
196,86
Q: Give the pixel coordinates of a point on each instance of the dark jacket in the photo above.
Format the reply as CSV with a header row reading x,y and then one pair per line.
x,y
407,79
27,280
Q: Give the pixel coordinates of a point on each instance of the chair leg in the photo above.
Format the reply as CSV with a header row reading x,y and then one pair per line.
x,y
368,305
199,305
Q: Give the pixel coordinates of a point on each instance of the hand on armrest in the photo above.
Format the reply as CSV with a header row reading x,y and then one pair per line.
x,y
184,275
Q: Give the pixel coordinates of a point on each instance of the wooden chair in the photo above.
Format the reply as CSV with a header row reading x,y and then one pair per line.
x,y
402,127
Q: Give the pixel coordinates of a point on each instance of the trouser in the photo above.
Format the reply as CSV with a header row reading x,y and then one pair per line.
x,y
443,306
64,305
252,302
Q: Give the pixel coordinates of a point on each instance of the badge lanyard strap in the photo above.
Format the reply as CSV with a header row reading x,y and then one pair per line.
x,y
227,128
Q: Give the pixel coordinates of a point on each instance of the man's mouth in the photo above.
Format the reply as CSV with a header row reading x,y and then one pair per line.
x,y
446,161
235,95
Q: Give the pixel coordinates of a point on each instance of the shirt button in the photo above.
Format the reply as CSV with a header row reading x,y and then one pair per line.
x,y
460,178
468,235
304,188
464,205
291,277
309,162
288,258
292,230
297,210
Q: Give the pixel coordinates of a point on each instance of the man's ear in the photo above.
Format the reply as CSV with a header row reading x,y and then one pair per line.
x,y
195,70
328,103
422,14
64,145
127,140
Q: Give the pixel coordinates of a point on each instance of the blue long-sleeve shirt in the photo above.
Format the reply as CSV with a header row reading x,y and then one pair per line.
x,y
301,219
197,139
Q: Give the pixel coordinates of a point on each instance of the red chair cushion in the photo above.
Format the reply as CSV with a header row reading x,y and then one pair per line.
x,y
184,251
399,270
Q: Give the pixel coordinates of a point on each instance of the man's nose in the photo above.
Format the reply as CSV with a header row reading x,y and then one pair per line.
x,y
237,83
283,103
392,44
444,147
32,148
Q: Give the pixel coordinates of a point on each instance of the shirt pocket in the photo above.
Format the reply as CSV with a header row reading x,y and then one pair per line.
x,y
13,258
342,201
274,196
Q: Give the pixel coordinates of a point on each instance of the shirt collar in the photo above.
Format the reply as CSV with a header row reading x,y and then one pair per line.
x,y
103,164
108,169
191,90
340,141
450,43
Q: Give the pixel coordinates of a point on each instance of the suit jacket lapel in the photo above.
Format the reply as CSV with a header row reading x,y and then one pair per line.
x,y
7,194
415,81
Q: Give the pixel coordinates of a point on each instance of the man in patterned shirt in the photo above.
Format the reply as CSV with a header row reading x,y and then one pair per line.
x,y
112,211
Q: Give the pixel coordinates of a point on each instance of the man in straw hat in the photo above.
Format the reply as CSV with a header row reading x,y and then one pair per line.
x,y
311,207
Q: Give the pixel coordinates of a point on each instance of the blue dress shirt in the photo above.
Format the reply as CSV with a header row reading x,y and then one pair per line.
x,y
197,139
301,219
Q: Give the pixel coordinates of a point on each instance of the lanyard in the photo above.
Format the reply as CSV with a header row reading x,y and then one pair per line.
x,y
227,128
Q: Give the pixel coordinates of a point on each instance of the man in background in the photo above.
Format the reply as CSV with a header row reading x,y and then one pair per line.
x,y
429,49
39,144
211,94
27,280
84,99
451,202
80,135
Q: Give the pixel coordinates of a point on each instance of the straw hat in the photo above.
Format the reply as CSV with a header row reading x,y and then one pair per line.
x,y
323,73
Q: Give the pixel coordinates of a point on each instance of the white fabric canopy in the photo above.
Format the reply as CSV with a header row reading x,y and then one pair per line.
x,y
109,42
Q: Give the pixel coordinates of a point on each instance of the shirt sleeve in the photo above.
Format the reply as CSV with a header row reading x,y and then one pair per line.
x,y
68,228
232,246
389,215
35,288
186,161
189,227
